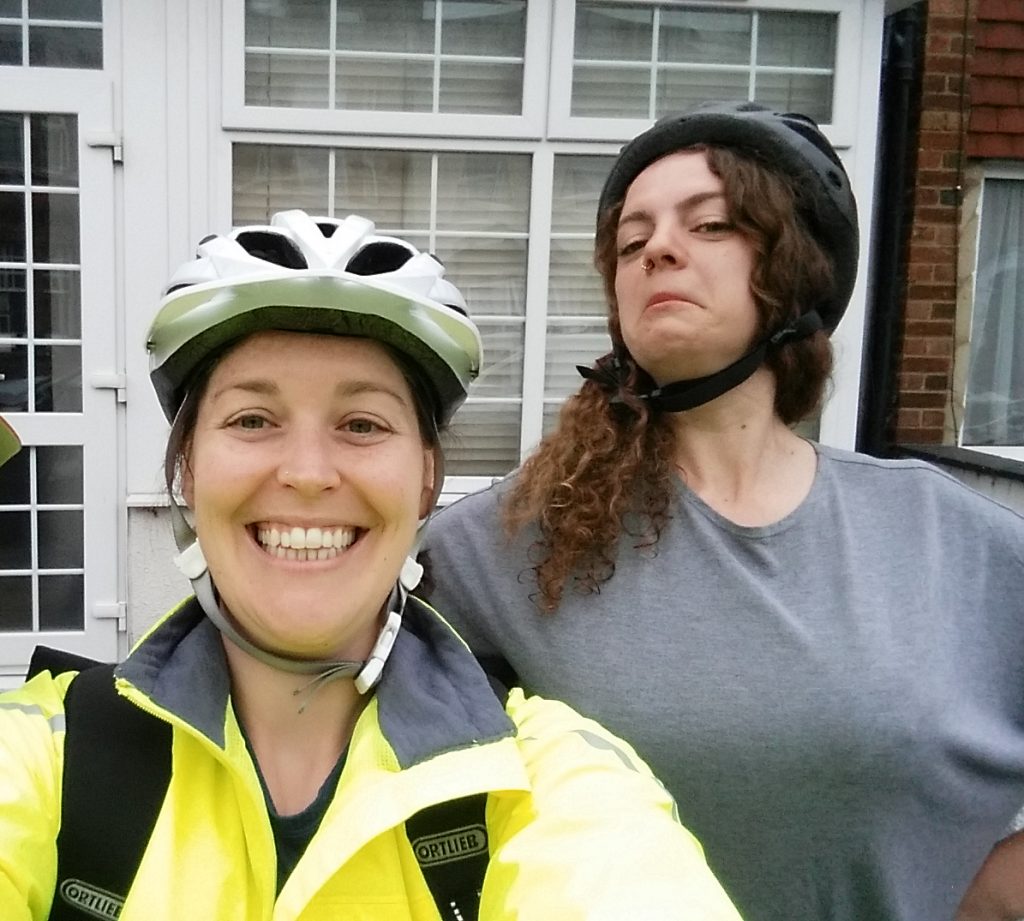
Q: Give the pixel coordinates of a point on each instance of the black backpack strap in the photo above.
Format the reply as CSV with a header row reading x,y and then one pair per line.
x,y
46,658
117,765
450,844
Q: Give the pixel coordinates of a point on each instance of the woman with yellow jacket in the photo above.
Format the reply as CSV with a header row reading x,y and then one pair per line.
x,y
307,368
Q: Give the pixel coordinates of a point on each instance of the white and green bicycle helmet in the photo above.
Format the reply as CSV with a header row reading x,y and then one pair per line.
x,y
320,275
315,275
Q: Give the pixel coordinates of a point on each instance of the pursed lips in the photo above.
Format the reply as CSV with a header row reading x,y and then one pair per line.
x,y
664,297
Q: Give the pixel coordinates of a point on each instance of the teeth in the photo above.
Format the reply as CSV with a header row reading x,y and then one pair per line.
x,y
303,544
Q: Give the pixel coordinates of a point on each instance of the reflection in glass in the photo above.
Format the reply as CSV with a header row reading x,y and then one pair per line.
x,y
81,10
484,439
14,378
607,32
269,178
290,81
10,9
490,273
58,304
13,303
58,474
568,346
10,45
61,602
502,373
287,23
484,88
15,602
578,182
574,287
60,539
12,146
15,540
55,236
810,94
483,191
58,379
680,90
610,91
14,484
53,46
702,37
398,85
796,39
390,186
54,142
496,28
12,226
369,25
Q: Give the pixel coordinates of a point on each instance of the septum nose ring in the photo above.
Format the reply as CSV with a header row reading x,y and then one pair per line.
x,y
647,265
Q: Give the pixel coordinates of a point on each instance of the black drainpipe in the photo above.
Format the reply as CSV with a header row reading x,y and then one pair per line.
x,y
902,57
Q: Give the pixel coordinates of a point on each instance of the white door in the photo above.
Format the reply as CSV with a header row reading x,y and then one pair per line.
x,y
59,498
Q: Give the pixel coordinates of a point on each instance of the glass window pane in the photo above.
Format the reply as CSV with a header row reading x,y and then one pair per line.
x,y
502,372
796,39
271,178
15,540
613,33
59,474
55,236
10,9
388,85
14,378
82,10
286,80
54,141
390,187
51,46
809,94
481,88
287,23
386,25
491,274
60,539
705,37
480,191
61,602
577,186
569,346
679,90
12,227
574,285
483,440
13,303
58,304
616,91
14,485
497,27
995,373
15,602
59,378
12,146
10,45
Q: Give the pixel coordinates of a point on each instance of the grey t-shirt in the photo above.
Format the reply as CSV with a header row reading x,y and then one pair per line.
x,y
836,700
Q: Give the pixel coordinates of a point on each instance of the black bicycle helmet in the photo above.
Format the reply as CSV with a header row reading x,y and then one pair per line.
x,y
785,141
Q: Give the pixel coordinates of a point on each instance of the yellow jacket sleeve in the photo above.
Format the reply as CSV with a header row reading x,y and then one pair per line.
x,y
31,758
599,839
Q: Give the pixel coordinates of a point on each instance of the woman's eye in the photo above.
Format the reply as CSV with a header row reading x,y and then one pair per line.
x,y
363,427
250,422
633,246
714,227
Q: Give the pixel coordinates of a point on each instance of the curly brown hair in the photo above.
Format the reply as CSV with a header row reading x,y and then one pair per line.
x,y
608,469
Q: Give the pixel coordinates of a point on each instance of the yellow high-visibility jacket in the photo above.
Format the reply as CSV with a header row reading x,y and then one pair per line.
x,y
578,827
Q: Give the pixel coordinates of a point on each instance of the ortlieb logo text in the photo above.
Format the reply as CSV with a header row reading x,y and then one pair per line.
x,y
451,845
93,901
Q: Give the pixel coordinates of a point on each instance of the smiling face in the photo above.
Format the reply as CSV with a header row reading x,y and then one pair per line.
x,y
691,311
307,474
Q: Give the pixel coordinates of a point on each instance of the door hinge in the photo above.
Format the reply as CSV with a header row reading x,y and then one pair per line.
x,y
111,380
112,610
108,139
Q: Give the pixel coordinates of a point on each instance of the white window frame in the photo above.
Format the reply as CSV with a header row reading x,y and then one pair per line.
x,y
529,124
990,170
841,131
87,95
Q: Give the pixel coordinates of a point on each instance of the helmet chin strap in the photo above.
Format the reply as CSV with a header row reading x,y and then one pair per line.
x,y
689,394
367,673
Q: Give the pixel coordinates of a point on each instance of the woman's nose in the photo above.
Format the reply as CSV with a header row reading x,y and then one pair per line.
x,y
310,463
665,246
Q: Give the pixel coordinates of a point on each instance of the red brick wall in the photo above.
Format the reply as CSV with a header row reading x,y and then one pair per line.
x,y
926,362
996,127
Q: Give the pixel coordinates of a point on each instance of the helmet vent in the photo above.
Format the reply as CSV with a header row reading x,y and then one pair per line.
x,y
327,229
272,247
375,258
